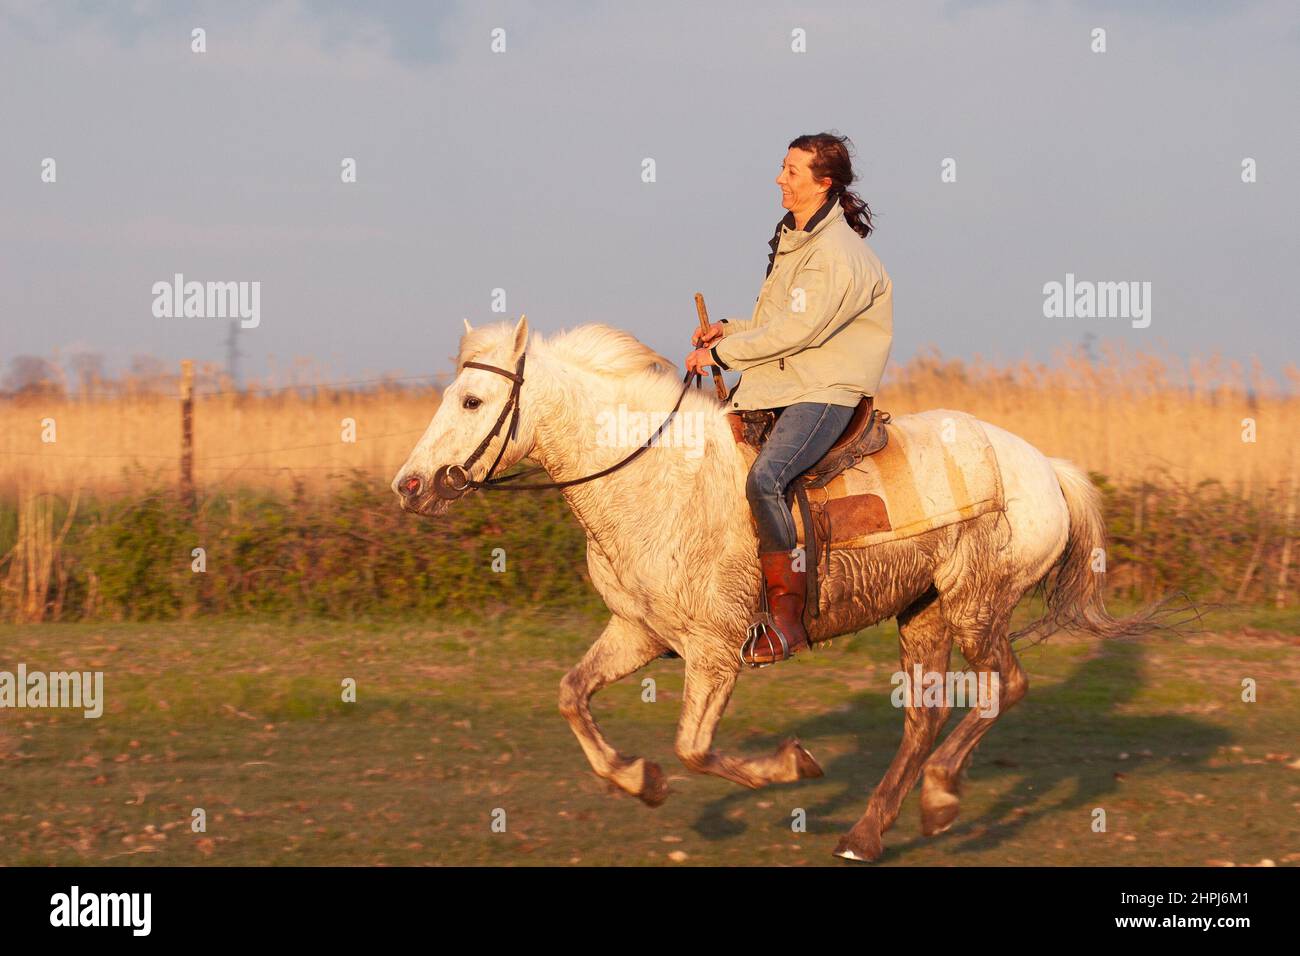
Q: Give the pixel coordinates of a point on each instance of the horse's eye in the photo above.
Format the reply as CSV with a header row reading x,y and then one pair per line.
x,y
471,402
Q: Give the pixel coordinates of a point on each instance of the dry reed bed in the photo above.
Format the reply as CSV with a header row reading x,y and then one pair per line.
x,y
119,446
1129,416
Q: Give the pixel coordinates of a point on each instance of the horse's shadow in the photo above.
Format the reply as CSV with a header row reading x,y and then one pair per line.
x,y
1071,732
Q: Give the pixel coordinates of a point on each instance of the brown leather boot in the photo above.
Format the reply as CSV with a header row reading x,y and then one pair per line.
x,y
786,590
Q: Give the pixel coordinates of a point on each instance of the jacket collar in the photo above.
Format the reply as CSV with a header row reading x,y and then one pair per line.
x,y
794,238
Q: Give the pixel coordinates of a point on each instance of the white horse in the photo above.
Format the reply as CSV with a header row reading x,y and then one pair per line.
x,y
671,549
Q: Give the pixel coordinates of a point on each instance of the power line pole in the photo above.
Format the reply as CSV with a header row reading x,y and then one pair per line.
x,y
232,355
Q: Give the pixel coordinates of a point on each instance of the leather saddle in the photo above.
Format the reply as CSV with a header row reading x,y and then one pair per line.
x,y
864,435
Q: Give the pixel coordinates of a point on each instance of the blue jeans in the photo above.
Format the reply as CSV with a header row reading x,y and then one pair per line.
x,y
802,434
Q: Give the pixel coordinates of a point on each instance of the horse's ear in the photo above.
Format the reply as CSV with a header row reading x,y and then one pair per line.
x,y
521,336
468,328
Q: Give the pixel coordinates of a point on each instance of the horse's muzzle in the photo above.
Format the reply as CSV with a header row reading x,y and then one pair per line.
x,y
427,497
450,482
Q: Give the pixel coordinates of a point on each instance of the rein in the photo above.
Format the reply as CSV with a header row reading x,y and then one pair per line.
x,y
452,481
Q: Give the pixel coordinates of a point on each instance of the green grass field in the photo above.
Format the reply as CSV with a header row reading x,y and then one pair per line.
x,y
453,721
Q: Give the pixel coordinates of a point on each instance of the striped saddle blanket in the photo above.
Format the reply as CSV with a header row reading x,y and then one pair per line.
x,y
938,469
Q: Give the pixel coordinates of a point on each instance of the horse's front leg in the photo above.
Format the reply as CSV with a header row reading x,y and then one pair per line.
x,y
622,648
710,680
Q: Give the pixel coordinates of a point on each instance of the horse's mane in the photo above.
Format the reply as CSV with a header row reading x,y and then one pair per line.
x,y
598,348
607,351
594,347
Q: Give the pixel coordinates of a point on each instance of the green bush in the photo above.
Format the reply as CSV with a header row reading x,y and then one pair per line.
x,y
348,553
351,553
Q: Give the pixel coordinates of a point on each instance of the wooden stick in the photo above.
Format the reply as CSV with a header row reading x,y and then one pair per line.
x,y
1254,558
703,313
187,433
1279,599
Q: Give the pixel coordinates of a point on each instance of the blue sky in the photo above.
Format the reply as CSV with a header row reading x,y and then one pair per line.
x,y
522,170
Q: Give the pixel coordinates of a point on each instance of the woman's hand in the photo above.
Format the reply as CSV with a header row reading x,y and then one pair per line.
x,y
702,339
698,360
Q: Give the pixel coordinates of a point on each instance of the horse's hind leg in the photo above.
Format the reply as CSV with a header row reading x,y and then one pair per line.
x,y
989,653
925,641
621,649
709,683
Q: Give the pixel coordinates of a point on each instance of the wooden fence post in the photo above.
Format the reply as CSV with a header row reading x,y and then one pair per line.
x,y
187,433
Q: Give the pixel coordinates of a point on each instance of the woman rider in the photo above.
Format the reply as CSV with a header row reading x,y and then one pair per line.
x,y
816,344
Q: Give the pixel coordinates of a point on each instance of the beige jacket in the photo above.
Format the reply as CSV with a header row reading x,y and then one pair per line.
x,y
822,325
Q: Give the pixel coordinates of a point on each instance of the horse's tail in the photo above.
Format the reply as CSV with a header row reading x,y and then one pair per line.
x,y
1073,589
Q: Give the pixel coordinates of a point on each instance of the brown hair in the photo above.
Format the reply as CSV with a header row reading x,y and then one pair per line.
x,y
831,158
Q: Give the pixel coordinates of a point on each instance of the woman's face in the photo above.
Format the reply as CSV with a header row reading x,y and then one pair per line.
x,y
798,188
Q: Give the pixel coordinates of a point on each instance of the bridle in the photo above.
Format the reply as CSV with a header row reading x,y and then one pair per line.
x,y
452,481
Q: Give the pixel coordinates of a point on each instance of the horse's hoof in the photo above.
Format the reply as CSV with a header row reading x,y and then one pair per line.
x,y
940,804
805,763
859,851
935,819
654,785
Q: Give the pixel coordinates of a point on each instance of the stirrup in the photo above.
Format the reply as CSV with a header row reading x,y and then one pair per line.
x,y
764,629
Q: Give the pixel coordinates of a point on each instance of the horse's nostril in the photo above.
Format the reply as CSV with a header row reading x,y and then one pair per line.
x,y
411,486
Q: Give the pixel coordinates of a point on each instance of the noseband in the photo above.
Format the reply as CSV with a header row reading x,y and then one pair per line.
x,y
452,481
